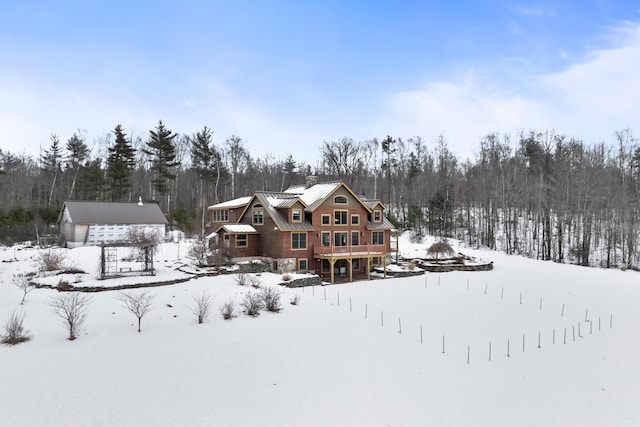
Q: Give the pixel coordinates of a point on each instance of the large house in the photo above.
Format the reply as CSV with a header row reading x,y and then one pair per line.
x,y
93,223
323,228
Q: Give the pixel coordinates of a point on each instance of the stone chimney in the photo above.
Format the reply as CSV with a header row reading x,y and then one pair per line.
x,y
311,181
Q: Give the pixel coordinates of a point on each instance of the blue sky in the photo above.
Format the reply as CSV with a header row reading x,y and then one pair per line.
x,y
287,75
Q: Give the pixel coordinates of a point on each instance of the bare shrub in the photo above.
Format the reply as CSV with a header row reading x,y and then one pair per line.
x,y
202,306
271,299
242,278
51,259
441,248
287,277
228,310
199,252
142,236
255,281
138,304
71,308
252,303
14,332
295,299
23,283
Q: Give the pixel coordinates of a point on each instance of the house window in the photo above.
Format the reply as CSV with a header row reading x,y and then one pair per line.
x,y
326,219
258,217
326,238
375,260
339,239
241,240
355,238
340,200
355,219
302,264
296,215
340,217
377,237
298,240
221,215
355,265
377,216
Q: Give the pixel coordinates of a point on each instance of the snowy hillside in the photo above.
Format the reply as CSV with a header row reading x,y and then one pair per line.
x,y
361,354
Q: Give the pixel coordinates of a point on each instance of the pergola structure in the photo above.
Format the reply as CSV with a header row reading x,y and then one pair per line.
x,y
109,259
350,253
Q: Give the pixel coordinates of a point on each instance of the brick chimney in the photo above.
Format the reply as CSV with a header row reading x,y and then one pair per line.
x,y
311,181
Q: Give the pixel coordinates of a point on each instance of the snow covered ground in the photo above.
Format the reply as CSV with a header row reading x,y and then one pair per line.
x,y
361,354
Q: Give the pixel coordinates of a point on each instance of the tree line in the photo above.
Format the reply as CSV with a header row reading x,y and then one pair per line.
x,y
538,193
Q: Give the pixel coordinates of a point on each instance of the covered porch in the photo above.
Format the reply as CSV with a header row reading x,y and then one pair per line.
x,y
349,254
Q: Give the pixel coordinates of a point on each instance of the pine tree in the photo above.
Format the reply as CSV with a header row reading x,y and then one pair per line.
x,y
120,164
78,153
50,162
162,153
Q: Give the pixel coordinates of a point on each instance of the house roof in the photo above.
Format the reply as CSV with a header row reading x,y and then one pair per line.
x,y
235,203
237,229
82,212
271,201
384,225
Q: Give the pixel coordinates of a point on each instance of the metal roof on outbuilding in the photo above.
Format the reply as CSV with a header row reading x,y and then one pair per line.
x,y
113,213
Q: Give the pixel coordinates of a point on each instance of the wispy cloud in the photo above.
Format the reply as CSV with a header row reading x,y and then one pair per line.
x,y
590,99
533,11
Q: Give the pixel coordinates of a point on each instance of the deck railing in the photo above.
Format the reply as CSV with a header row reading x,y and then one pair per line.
x,y
320,250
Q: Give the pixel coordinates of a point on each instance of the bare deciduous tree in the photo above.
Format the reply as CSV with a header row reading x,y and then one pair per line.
x,y
71,308
23,283
138,304
199,251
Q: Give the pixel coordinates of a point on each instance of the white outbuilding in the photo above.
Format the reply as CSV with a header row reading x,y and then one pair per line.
x,y
92,223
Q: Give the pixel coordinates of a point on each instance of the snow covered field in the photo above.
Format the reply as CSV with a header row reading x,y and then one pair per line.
x,y
347,355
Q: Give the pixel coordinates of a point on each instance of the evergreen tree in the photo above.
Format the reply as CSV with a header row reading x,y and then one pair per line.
x,y
78,153
50,163
120,164
162,153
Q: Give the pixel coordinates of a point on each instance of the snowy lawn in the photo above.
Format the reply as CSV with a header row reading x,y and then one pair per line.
x,y
323,363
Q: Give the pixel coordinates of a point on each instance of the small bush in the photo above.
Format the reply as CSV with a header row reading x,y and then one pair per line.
x,y
271,299
287,277
228,310
255,281
252,303
202,306
295,299
199,252
22,282
242,279
51,259
14,332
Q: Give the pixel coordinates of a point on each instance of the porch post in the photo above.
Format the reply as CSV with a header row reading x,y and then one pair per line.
x,y
332,263
384,263
350,262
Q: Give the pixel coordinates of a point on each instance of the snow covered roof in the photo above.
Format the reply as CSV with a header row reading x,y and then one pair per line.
x,y
82,212
235,203
238,228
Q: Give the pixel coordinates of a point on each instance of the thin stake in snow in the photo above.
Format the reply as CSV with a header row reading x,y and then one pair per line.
x,y
554,336
468,354
599,324
366,310
399,326
586,315
523,343
486,286
313,290
443,344
520,297
579,333
467,284
590,327
381,318
611,322
420,334
489,351
565,335
502,293
438,281
540,303
573,329
562,312
338,298
538,339
350,306
508,348
425,281
325,293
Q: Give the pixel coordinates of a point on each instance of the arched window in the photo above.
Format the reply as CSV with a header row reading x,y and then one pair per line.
x,y
340,200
